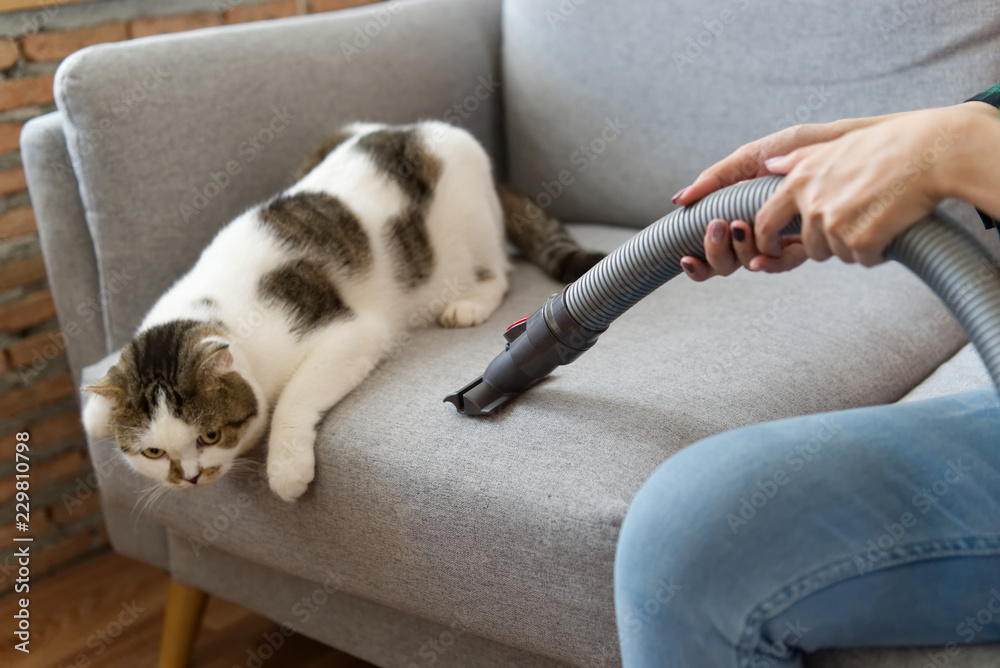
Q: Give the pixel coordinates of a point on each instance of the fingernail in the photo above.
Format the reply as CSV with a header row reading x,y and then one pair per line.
x,y
687,267
717,230
739,234
774,160
679,194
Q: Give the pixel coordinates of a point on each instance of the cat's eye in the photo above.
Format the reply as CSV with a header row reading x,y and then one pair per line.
x,y
153,453
209,438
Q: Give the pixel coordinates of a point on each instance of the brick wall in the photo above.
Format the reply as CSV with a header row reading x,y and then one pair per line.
x,y
37,393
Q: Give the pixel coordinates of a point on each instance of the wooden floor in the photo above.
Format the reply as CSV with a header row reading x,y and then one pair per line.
x,y
107,613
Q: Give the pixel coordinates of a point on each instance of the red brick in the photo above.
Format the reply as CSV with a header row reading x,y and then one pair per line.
x,y
63,514
8,53
44,433
17,222
10,136
265,10
163,24
66,466
58,45
47,391
16,93
63,467
18,273
32,309
51,558
37,523
27,352
332,5
12,180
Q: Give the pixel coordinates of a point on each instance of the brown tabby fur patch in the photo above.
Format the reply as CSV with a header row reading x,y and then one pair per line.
x,y
320,151
166,360
400,155
322,226
306,293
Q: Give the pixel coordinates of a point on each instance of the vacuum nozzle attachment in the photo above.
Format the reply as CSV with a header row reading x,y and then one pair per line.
x,y
536,345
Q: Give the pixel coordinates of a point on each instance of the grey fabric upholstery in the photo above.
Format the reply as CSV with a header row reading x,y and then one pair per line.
x,y
66,244
509,523
500,521
200,98
964,371
688,96
320,609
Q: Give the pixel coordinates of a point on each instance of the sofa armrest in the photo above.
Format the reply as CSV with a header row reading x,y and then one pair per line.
x,y
172,136
66,242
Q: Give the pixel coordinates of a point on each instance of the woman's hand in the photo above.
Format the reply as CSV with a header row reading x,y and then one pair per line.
x,y
747,162
855,191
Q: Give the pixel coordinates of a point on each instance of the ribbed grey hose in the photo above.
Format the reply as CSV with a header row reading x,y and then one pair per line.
x,y
939,251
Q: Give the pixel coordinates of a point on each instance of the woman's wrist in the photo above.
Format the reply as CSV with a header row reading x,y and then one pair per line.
x,y
970,169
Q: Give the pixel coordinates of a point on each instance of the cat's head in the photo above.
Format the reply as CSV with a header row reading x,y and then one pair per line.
x,y
179,403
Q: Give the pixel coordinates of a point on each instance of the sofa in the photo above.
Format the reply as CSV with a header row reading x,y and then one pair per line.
x,y
431,538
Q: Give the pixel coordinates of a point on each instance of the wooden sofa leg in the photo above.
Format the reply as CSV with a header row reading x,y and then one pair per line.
x,y
185,606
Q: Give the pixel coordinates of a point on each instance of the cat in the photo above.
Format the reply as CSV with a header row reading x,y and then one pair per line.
x,y
293,302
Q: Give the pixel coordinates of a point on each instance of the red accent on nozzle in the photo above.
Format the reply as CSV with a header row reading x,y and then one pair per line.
x,y
515,324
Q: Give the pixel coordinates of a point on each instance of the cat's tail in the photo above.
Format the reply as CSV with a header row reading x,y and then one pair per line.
x,y
543,239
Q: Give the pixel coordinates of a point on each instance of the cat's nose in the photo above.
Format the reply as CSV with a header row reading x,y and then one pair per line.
x,y
194,479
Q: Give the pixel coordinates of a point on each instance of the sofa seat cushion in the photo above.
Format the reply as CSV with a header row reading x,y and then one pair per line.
x,y
509,523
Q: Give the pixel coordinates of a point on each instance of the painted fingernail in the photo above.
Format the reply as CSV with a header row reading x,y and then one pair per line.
x,y
717,230
739,234
776,159
687,267
679,194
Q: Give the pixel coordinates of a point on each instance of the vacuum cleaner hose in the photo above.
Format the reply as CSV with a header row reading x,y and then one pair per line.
x,y
938,250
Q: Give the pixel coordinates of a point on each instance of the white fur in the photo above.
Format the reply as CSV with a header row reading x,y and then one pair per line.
x,y
302,378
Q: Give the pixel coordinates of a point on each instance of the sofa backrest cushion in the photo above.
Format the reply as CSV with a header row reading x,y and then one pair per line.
x,y
611,107
173,136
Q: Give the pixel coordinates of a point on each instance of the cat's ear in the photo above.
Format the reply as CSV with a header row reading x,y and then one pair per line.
x,y
216,359
108,388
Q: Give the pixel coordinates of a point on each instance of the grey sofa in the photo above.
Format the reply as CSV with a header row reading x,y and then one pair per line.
x,y
429,538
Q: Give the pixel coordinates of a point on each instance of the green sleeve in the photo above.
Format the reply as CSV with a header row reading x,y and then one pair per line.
x,y
989,96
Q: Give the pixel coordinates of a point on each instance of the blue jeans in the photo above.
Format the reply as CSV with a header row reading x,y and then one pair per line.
x,y
862,528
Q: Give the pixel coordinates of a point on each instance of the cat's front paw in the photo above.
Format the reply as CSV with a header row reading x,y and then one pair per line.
x,y
291,465
464,313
